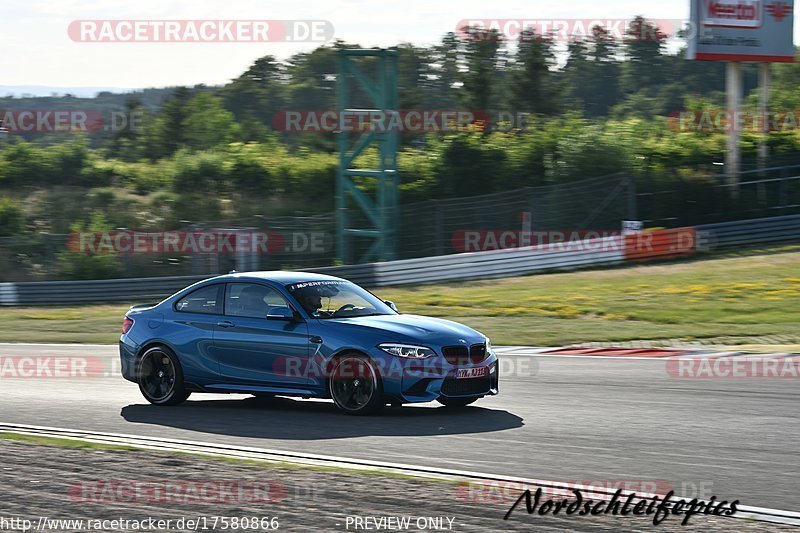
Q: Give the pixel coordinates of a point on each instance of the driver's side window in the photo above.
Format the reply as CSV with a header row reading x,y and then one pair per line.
x,y
344,302
251,300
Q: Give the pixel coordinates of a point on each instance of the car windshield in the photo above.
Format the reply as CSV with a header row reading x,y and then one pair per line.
x,y
337,299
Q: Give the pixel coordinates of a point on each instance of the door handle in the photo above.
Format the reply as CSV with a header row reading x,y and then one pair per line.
x,y
226,324
314,339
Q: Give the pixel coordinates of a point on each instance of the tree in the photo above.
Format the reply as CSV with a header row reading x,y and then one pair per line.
x,y
578,76
440,76
644,49
534,88
312,77
311,86
166,134
480,78
124,141
207,124
256,95
605,73
12,219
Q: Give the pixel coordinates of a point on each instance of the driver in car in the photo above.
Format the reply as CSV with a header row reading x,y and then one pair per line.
x,y
311,300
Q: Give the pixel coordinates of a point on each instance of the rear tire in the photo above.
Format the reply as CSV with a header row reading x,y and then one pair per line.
x,y
355,385
160,377
456,403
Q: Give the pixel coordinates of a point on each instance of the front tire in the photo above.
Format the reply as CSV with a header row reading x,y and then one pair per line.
x,y
456,402
160,377
355,385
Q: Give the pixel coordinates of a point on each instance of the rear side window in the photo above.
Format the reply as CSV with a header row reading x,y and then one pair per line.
x,y
205,300
252,300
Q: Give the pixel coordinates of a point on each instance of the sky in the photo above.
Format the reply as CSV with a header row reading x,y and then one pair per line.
x,y
36,48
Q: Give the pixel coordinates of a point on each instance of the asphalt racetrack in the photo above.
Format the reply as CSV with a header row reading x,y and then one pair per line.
x,y
571,419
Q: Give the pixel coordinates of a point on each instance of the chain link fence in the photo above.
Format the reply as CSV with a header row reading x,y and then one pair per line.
x,y
429,228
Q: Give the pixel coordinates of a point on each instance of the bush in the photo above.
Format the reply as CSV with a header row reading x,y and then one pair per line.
x,y
202,172
468,166
587,154
78,265
196,207
27,164
310,177
248,169
12,219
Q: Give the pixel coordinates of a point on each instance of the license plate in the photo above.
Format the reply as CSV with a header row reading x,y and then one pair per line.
x,y
467,373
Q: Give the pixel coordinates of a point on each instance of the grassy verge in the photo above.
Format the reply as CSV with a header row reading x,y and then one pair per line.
x,y
748,296
742,296
83,444
86,324
69,443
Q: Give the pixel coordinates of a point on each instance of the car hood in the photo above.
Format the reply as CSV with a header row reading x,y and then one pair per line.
x,y
415,328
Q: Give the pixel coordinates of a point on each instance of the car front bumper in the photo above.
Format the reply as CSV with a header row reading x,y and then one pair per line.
x,y
426,381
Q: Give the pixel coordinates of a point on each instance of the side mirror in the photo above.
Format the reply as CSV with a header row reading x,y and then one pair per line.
x,y
280,312
391,304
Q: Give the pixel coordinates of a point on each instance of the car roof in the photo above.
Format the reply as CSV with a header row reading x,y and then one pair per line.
x,y
278,276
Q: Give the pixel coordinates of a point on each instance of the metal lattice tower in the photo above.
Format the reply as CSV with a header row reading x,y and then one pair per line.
x,y
380,211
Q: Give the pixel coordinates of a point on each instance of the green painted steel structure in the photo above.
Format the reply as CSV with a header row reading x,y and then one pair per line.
x,y
372,75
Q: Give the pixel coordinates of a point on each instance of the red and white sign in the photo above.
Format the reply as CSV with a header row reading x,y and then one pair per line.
x,y
733,13
742,30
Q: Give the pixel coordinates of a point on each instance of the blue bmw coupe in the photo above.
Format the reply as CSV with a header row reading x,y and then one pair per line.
x,y
301,334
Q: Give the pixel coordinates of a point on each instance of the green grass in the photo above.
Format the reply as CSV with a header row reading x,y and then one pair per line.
x,y
86,324
752,296
741,296
83,444
69,443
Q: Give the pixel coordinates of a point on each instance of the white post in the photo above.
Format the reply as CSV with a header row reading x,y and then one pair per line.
x,y
733,85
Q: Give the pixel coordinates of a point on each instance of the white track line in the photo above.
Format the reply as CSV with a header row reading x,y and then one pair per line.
x,y
526,351
210,449
685,353
70,344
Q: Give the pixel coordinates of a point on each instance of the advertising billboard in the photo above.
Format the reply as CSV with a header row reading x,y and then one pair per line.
x,y
742,30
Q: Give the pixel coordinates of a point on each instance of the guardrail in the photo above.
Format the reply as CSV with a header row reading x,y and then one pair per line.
x,y
135,290
600,252
746,232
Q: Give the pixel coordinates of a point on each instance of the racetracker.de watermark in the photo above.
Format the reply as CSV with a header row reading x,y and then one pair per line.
x,y
553,240
566,30
507,492
742,120
402,368
638,244
502,492
17,121
200,31
199,242
734,366
57,367
177,492
362,120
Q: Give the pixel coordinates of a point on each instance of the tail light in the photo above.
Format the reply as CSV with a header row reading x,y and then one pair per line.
x,y
126,324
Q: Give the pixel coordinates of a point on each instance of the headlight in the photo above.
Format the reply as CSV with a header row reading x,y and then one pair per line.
x,y
488,346
407,350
